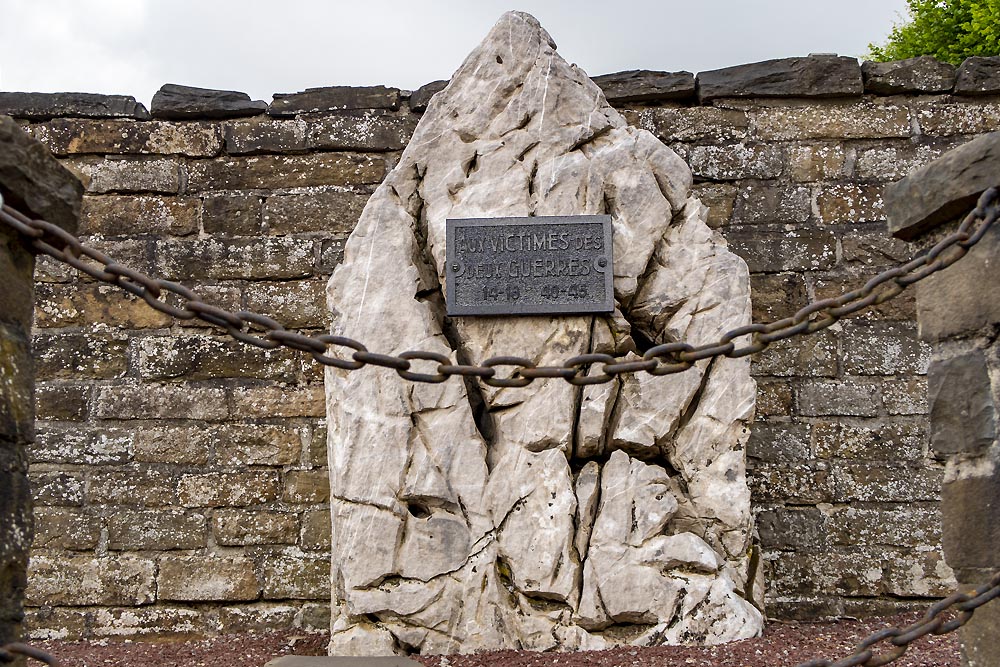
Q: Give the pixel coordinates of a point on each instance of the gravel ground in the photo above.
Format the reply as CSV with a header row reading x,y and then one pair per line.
x,y
783,645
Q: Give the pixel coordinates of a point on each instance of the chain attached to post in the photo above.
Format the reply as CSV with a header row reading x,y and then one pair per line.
x,y
10,651
266,333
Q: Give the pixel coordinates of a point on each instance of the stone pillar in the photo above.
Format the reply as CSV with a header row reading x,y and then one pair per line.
x,y
958,312
32,181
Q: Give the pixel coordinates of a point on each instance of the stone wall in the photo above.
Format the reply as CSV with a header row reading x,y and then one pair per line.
x,y
179,477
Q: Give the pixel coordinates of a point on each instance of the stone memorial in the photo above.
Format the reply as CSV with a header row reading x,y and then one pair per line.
x,y
468,517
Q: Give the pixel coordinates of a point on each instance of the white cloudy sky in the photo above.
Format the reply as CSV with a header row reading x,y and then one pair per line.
x,y
132,47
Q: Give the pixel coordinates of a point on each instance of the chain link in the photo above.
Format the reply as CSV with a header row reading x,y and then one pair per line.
x,y
254,329
8,652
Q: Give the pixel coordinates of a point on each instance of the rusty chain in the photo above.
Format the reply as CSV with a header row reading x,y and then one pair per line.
x,y
8,652
266,333
944,616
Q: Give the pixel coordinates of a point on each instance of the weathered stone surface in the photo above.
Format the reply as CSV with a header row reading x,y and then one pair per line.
x,y
694,124
206,578
74,136
33,181
160,530
368,131
421,97
963,417
267,172
624,509
239,527
646,86
924,74
86,580
978,76
121,215
265,135
187,102
812,76
156,175
41,106
336,211
862,120
944,189
334,98
970,509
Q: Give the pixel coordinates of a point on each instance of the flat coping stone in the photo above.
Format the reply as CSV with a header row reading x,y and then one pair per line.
x,y
342,661
944,189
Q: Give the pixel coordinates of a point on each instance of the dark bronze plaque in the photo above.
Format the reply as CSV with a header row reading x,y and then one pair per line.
x,y
521,266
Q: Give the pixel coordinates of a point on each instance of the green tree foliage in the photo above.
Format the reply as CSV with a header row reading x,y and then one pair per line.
x,y
949,30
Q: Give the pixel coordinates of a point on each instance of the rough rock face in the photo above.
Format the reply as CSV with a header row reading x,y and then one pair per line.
x,y
467,517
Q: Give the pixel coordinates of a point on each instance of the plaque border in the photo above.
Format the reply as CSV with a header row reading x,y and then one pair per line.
x,y
606,306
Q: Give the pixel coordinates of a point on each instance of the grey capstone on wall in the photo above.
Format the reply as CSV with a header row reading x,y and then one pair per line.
x,y
32,181
182,476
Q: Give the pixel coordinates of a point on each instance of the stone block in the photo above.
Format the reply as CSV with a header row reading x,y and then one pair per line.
x,y
780,442
59,401
188,102
905,397
160,529
866,244
241,528
331,255
256,618
963,415
953,302
16,301
903,307
205,358
41,106
65,528
77,444
809,162
899,526
646,86
695,124
798,484
186,444
340,661
207,579
978,76
809,356
289,578
152,174
270,172
57,489
75,356
231,216
235,259
151,623
893,161
315,530
775,398
257,445
883,349
776,252
767,202
228,489
421,97
89,580
885,483
334,98
736,161
918,572
333,212
136,485
835,121
297,304
812,76
279,401
803,530
265,135
970,515
841,572
17,418
316,616
161,401
924,74
848,396
120,215
78,136
954,119
944,189
58,305
306,486
777,295
33,181
869,440
719,198
850,203
374,131
978,637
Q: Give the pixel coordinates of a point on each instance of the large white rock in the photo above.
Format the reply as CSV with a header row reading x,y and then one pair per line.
x,y
467,517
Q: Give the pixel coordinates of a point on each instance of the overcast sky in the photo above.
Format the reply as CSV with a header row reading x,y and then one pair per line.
x,y
132,47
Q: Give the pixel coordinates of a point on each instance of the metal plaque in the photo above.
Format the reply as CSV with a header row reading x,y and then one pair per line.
x,y
523,266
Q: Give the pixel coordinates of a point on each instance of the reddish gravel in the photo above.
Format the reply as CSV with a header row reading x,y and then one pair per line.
x,y
783,645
